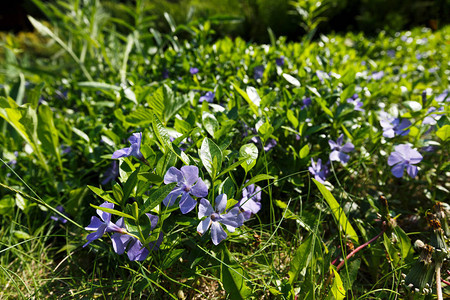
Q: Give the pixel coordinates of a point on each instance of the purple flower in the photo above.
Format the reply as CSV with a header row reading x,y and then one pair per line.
x,y
322,75
377,75
280,61
136,250
112,173
258,72
193,70
134,150
250,202
214,218
432,119
391,53
208,97
188,183
404,157
338,150
59,218
100,226
393,126
306,102
165,74
356,102
319,171
271,143
440,98
66,149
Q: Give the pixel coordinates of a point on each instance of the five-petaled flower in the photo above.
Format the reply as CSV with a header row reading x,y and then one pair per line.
x,y
404,157
100,226
208,97
193,70
133,150
319,171
393,126
338,150
251,201
232,219
61,209
356,102
136,251
258,72
280,61
188,183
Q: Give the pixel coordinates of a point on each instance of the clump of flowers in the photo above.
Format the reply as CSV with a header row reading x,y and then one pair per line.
x,y
356,102
404,157
393,126
193,70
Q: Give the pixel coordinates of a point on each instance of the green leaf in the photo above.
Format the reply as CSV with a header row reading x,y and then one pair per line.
x,y
227,187
444,133
302,258
113,212
47,133
210,123
102,194
233,166
99,86
156,197
291,117
406,249
233,277
337,212
337,289
150,177
349,279
258,178
250,153
140,117
304,151
211,157
244,95
129,185
413,105
161,133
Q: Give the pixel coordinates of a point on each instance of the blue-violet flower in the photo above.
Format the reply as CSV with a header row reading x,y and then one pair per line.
x,y
188,183
404,157
214,218
133,150
338,150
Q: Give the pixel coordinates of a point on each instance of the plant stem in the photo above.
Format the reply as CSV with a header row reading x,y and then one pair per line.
x,y
438,281
359,248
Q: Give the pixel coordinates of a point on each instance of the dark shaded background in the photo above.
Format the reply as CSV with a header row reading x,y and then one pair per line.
x,y
253,17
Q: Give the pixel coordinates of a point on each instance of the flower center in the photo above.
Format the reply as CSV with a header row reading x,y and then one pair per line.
x,y
215,216
187,188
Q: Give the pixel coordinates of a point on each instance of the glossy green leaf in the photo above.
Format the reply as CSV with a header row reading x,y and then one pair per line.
x,y
113,212
211,157
250,153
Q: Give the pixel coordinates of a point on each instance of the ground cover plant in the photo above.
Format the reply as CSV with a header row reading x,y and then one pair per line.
x,y
137,164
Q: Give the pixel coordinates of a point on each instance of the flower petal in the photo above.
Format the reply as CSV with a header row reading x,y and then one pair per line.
x,y
173,175
153,220
125,152
395,158
190,174
348,147
104,215
95,224
397,170
203,226
411,170
232,218
199,189
333,144
217,233
334,155
204,208
172,197
119,242
137,251
187,203
221,203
